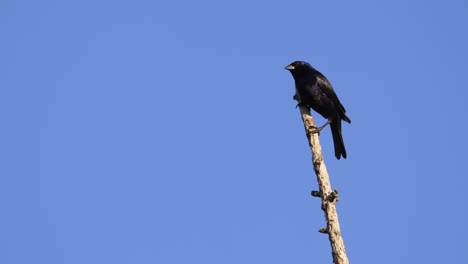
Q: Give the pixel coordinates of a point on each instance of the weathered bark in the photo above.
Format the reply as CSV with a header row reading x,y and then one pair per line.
x,y
328,196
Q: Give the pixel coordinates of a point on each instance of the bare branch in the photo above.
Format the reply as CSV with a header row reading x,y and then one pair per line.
x,y
328,196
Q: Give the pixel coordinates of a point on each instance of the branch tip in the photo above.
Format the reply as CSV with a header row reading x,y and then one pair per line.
x,y
315,193
323,230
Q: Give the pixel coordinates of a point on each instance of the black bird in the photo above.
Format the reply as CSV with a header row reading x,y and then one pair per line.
x,y
316,92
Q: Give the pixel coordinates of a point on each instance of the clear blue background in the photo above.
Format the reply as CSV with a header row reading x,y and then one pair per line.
x,y
165,131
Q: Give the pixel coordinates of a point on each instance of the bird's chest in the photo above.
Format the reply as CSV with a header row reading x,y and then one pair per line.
x,y
309,92
315,98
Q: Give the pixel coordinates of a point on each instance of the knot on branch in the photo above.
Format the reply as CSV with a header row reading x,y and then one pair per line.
x,y
317,161
333,196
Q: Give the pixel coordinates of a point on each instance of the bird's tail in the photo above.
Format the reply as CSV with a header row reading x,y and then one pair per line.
x,y
340,149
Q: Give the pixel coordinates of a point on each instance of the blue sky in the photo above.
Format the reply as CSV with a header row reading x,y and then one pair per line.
x,y
165,131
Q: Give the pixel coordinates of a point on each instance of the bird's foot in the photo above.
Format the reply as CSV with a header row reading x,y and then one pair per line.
x,y
313,130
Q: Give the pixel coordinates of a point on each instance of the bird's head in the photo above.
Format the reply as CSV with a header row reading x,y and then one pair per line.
x,y
298,66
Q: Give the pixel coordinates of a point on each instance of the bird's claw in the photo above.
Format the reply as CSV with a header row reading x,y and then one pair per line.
x,y
317,130
313,130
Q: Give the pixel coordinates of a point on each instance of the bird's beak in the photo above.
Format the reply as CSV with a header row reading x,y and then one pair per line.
x,y
289,67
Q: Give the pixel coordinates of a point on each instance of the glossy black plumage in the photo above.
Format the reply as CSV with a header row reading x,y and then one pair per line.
x,y
315,91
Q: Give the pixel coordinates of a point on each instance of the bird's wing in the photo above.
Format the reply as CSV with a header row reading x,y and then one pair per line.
x,y
327,88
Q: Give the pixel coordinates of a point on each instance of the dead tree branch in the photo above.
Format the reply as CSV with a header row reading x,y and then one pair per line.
x,y
328,196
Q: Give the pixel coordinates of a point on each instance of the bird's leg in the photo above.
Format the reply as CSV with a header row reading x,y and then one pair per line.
x,y
324,125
